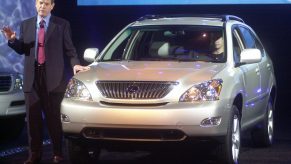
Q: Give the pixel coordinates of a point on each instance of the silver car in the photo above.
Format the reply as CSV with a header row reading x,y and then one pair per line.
x,y
173,79
12,105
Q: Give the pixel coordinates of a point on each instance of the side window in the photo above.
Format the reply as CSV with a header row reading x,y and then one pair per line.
x,y
236,46
248,39
116,51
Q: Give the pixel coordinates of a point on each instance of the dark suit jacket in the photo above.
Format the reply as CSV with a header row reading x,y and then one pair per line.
x,y
58,47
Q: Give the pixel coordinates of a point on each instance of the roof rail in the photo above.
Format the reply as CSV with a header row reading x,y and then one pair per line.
x,y
232,17
151,17
224,18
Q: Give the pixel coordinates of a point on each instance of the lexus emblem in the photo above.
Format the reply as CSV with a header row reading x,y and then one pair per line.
x,y
132,89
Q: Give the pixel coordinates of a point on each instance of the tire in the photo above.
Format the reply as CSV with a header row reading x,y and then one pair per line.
x,y
229,151
263,135
79,153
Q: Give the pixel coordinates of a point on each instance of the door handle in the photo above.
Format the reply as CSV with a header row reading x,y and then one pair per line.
x,y
257,71
269,66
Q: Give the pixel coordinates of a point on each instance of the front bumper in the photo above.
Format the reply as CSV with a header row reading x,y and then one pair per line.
x,y
12,103
174,121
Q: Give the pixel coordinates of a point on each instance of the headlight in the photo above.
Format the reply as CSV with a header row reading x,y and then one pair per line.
x,y
77,90
18,83
206,91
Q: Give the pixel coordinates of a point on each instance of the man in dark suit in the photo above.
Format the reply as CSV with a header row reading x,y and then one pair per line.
x,y
46,42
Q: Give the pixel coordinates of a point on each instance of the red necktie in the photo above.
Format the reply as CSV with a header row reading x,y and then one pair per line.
x,y
40,51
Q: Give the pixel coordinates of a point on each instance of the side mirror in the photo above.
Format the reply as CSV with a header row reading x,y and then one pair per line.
x,y
90,54
248,56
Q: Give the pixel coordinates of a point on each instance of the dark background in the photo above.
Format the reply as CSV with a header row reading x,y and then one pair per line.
x,y
95,26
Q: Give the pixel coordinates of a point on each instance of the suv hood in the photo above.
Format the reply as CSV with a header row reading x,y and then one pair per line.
x,y
152,71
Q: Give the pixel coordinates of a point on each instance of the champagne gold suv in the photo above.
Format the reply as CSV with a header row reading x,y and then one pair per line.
x,y
173,79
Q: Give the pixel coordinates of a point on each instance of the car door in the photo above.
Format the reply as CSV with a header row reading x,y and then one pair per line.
x,y
251,76
265,71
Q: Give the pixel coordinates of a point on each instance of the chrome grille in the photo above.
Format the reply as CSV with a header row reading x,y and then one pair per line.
x,y
135,89
5,83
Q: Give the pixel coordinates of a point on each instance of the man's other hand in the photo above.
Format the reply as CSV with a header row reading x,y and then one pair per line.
x,y
79,68
9,33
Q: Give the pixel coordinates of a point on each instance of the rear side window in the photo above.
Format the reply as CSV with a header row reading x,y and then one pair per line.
x,y
248,39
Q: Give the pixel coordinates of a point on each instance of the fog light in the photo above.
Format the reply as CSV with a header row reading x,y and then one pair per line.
x,y
65,118
212,121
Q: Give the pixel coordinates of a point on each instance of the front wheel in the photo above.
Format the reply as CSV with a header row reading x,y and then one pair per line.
x,y
228,152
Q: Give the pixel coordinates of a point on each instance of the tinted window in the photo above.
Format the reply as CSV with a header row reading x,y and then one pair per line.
x,y
248,39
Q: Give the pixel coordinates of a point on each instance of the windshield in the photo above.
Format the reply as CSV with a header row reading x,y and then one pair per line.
x,y
159,43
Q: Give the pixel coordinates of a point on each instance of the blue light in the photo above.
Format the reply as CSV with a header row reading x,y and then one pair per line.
x,y
198,66
17,150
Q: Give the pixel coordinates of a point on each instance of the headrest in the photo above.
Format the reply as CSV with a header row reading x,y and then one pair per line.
x,y
159,49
